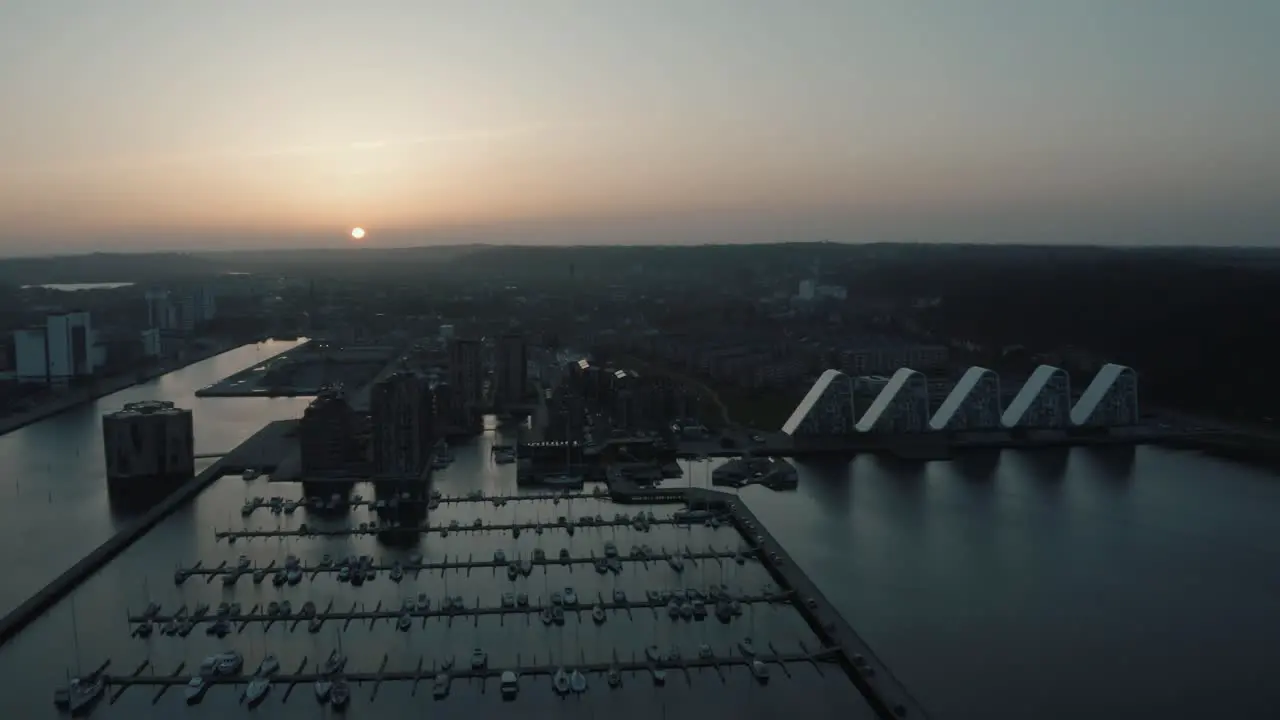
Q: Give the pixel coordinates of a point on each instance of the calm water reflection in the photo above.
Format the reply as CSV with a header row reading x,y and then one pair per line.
x,y
1073,584
53,496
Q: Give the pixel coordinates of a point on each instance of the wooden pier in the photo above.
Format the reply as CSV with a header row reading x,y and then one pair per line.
x,y
747,551
346,617
382,675
429,528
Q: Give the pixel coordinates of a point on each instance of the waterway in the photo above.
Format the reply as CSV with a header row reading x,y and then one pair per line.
x,y
53,493
1083,583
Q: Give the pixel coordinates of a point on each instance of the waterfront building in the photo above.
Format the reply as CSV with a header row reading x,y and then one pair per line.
x,y
512,371
973,404
149,445
1044,402
57,352
402,412
902,407
325,433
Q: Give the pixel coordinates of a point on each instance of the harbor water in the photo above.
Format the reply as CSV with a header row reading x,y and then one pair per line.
x,y
1054,584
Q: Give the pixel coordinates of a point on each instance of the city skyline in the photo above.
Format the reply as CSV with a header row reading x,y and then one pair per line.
x,y
142,125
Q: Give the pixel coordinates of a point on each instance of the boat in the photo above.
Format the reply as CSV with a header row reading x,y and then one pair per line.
x,y
280,577
760,670
243,562
673,609
570,597
249,473
257,691
555,598
614,677
560,681
699,609
397,573
512,571
522,599
314,625
308,609
440,687
84,693
479,659
686,610
557,614
170,628
509,684
290,506
539,555
286,608
344,574
564,556
676,562
326,560
273,608
404,622
546,616
515,531
339,694
185,628
370,573
415,559
179,576
424,602
477,523
610,549
229,663
653,654
526,568
597,614
674,655
357,577
747,647
230,577
334,664
195,689
293,576
508,600
259,575
619,596
578,682
270,665
659,676
144,630
323,687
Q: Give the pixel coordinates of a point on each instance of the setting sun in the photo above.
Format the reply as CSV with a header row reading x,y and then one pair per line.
x,y
357,233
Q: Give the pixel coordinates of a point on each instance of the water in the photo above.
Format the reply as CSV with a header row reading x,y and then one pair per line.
x,y
1088,583
100,607
53,494
73,287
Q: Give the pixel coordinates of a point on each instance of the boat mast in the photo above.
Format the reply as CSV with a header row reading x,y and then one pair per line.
x,y
75,633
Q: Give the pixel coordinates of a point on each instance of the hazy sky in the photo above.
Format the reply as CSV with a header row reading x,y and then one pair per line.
x,y
227,123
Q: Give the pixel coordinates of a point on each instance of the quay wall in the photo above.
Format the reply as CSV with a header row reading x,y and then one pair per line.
x,y
36,605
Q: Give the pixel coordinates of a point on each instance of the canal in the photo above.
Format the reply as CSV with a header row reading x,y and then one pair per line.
x,y
53,493
1082,583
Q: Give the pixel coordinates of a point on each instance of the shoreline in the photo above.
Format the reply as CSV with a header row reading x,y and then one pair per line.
x,y
107,386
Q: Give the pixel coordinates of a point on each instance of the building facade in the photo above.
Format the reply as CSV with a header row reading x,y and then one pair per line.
x,y
512,369
149,445
973,404
402,412
827,409
1044,402
326,433
901,407
1111,400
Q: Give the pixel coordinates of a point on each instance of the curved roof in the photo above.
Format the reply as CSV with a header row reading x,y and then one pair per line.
x,y
1029,392
1097,390
959,394
810,400
885,399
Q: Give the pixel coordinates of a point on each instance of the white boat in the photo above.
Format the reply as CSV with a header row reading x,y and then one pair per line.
x,y
508,600
510,684
512,571
290,506
578,682
250,473
228,663
615,677
619,595
747,647
479,659
760,670
397,573
293,576
339,694
674,655
597,614
673,609
344,574
499,557
522,599
704,651
84,692
561,681
659,676
570,597
243,562
546,616
404,622
286,608
424,602
610,549
256,691
323,687
270,665
440,687
564,556
195,689
676,562
686,610
334,664
557,614
653,654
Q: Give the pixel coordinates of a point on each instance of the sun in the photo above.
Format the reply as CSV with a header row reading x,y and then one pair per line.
x,y
357,233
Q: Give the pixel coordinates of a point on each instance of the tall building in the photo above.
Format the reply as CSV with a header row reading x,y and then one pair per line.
x,y
466,372
512,373
60,351
160,312
325,433
149,445
402,408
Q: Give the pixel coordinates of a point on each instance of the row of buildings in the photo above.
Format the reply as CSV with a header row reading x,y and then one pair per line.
x,y
615,401
900,403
